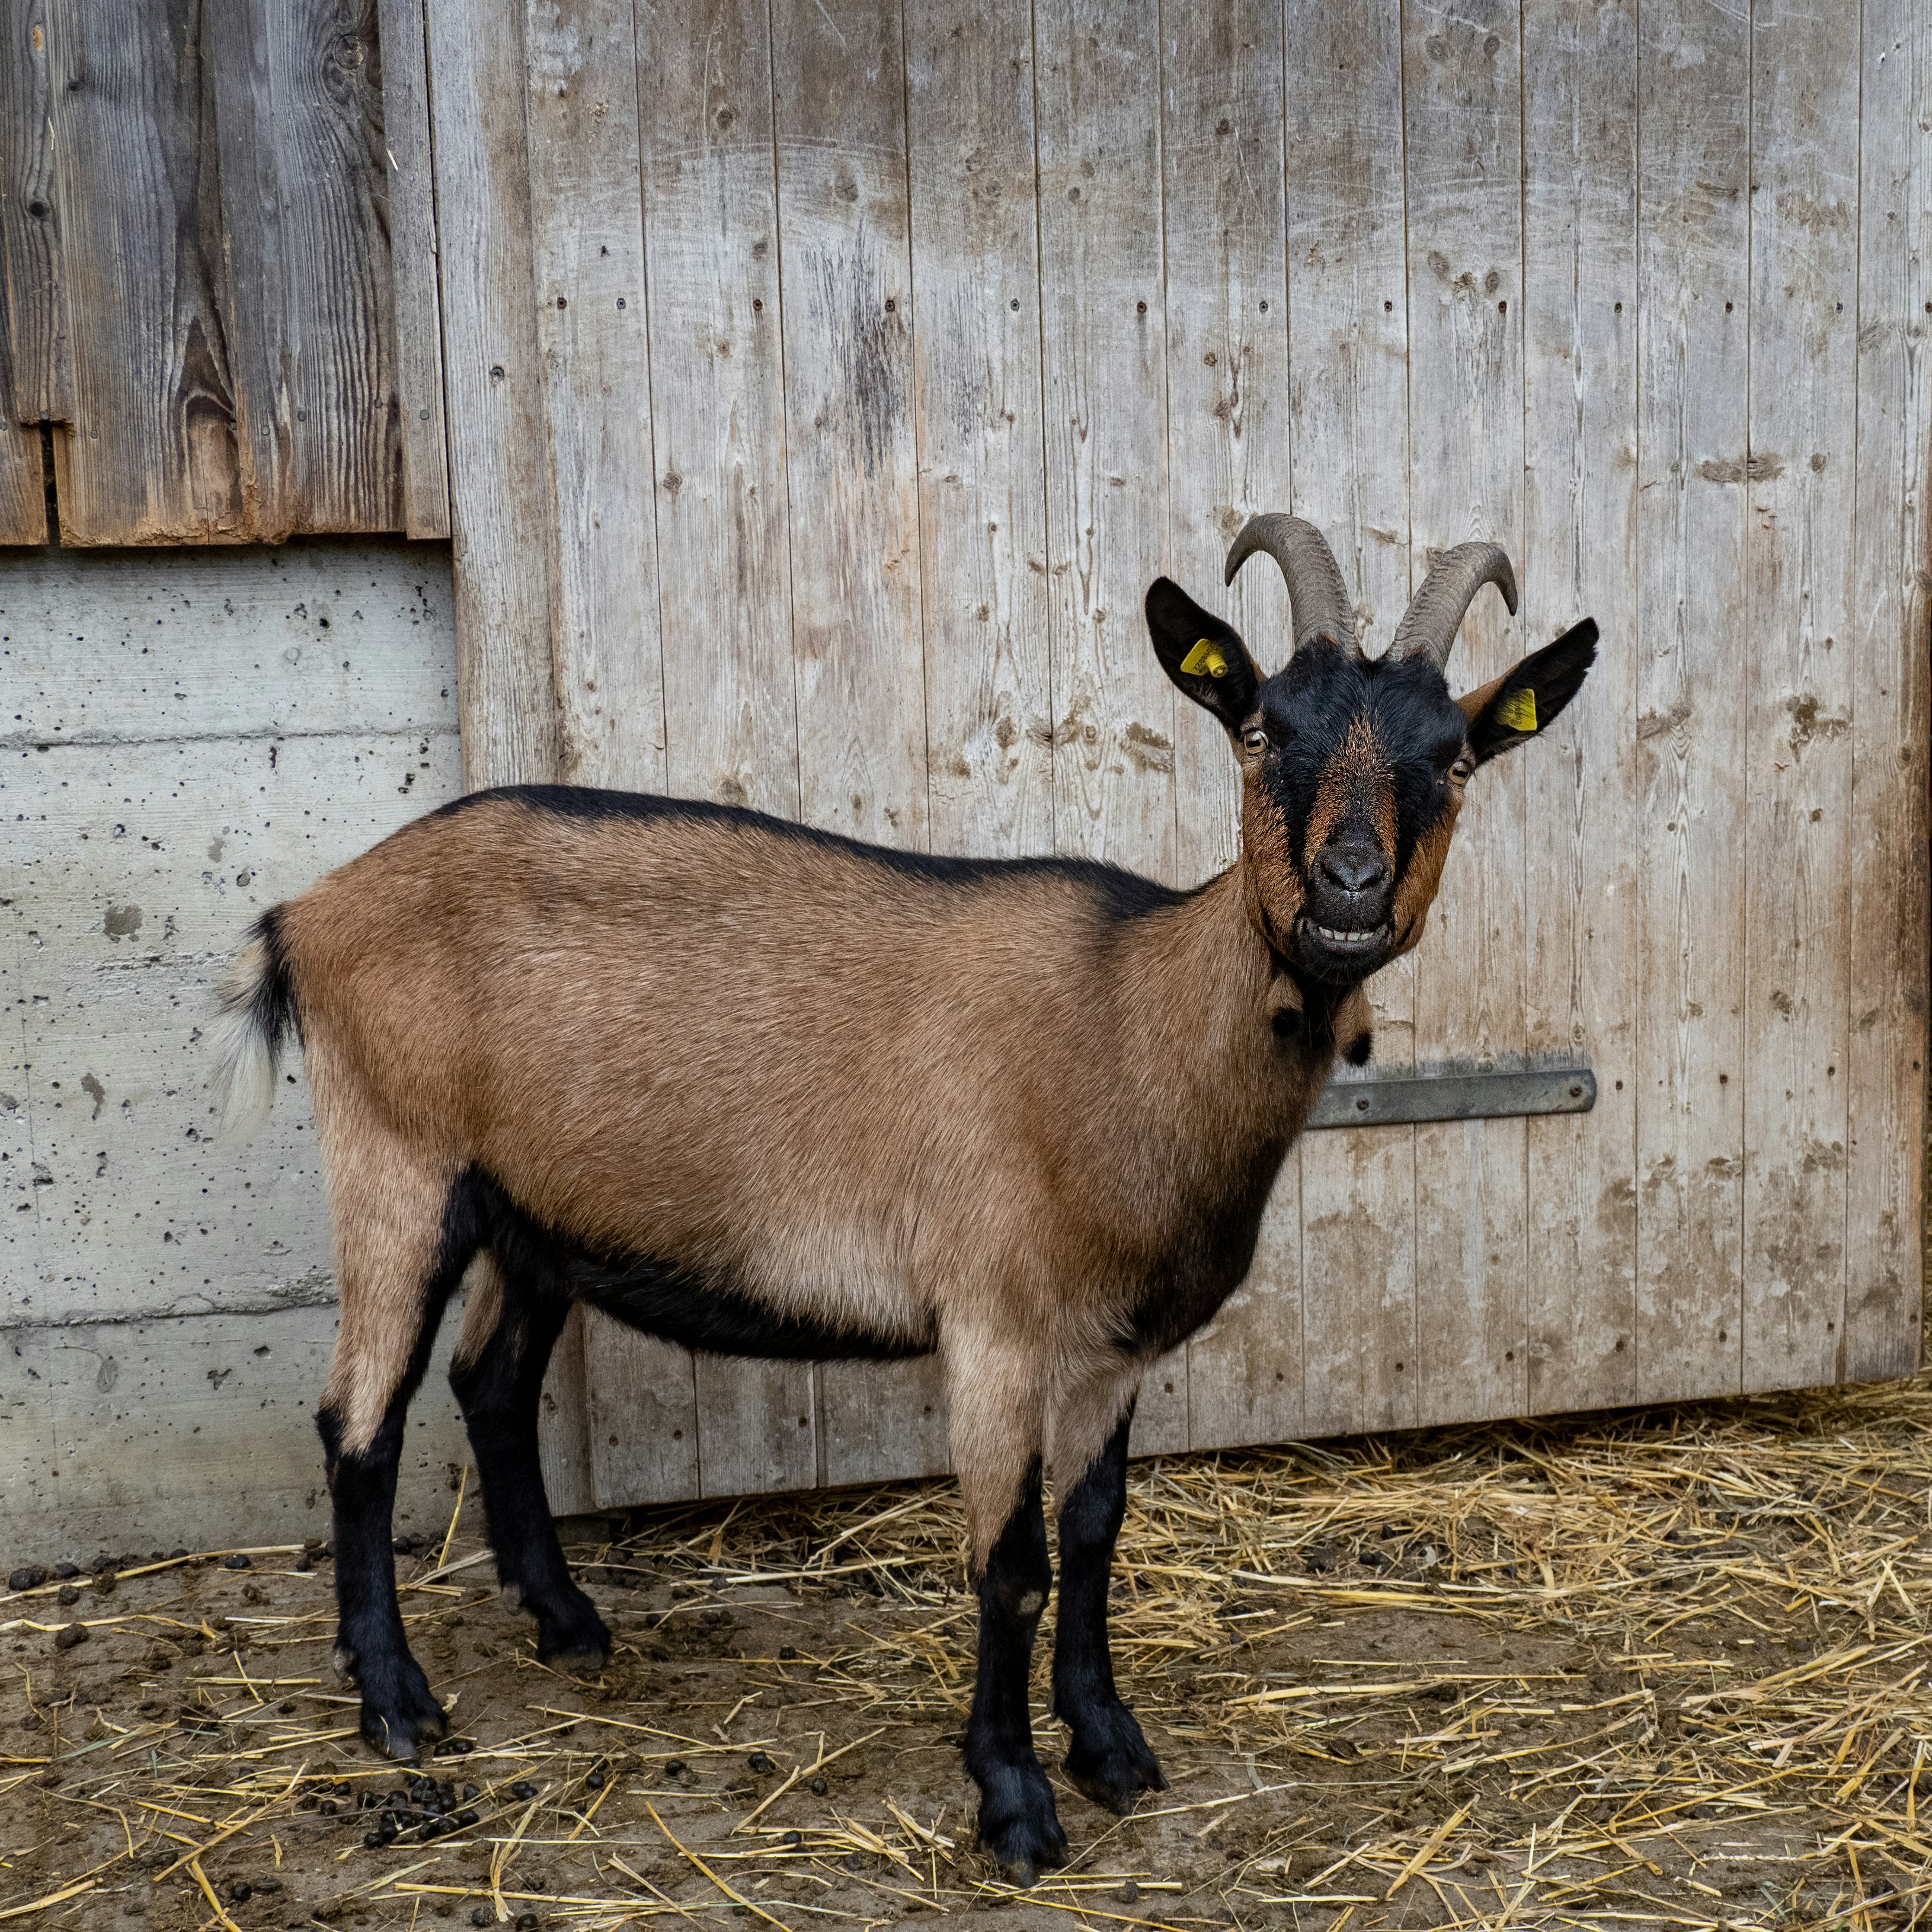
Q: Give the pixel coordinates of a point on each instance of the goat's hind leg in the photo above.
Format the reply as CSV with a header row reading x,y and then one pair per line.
x,y
399,1254
513,1316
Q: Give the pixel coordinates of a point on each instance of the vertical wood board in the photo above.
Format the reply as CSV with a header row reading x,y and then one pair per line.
x,y
1578,560
1693,96
417,305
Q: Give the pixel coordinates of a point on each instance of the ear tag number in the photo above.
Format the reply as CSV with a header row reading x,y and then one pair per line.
x,y
1209,657
1517,712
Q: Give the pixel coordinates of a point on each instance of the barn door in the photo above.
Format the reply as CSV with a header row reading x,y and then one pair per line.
x,y
826,383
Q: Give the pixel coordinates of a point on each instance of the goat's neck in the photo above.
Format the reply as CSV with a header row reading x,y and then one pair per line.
x,y
1221,1011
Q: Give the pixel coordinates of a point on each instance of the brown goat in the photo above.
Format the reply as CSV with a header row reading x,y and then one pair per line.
x,y
766,1091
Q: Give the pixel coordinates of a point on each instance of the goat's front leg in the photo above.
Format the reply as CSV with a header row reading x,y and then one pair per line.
x,y
1109,1758
1018,1824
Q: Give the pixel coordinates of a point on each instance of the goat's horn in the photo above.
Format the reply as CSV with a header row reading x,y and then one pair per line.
x,y
1436,613
1318,598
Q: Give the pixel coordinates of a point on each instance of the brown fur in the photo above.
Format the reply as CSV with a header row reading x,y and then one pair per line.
x,y
1358,782
966,1113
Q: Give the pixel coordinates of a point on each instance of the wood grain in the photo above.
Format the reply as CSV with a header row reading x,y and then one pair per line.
x,y
1802,486
846,287
499,484
416,304
1104,379
23,502
305,201
852,467
1227,352
982,464
1462,117
587,248
501,507
718,404
1693,92
1580,560
1892,705
703,81
587,238
152,456
1347,279
30,237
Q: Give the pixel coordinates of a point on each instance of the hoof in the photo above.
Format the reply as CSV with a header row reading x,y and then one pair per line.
x,y
400,1713
1109,1761
1019,1828
570,1632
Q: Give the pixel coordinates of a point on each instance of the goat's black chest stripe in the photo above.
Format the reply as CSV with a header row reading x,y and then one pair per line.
x,y
696,1308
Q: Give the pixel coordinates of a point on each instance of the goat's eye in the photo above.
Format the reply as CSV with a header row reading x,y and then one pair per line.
x,y
1460,771
1255,741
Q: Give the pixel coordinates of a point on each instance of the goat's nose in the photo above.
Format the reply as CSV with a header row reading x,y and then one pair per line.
x,y
1355,869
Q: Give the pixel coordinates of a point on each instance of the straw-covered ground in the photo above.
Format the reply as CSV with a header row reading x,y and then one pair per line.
x,y
1655,1669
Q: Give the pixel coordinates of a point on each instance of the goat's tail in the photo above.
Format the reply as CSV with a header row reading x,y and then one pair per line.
x,y
257,1012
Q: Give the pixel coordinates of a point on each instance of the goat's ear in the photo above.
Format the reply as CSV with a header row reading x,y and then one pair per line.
x,y
1203,655
1523,701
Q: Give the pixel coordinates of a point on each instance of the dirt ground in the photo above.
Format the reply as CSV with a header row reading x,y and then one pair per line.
x,y
1655,1669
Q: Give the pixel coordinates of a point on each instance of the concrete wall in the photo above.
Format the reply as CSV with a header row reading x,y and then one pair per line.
x,y
186,737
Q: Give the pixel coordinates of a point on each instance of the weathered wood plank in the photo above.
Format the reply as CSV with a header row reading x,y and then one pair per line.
x,y
717,402
981,465
588,240
500,487
304,195
724,583
1104,368
757,1427
982,525
1693,94
416,304
37,321
1802,486
1226,313
1462,117
501,507
846,286
23,499
1580,560
152,456
1891,706
1105,371
1347,277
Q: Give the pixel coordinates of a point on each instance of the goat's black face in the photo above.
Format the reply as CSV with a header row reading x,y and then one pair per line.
x,y
1353,772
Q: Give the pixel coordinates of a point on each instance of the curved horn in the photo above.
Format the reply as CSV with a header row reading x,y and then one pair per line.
x,y
1436,611
1316,593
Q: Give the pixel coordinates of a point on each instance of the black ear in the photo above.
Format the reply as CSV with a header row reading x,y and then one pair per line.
x,y
1524,701
1204,656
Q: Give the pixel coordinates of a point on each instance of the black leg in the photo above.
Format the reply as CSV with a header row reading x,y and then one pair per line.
x,y
499,1388
398,1707
1109,1759
1018,1823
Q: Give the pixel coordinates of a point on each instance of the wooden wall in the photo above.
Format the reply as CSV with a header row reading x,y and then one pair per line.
x,y
219,262
827,382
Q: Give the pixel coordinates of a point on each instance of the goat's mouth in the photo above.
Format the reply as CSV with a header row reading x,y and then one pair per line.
x,y
1343,952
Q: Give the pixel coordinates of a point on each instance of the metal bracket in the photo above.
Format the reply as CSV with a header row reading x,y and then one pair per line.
x,y
1454,1096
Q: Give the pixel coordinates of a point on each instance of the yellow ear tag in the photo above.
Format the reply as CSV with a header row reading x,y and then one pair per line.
x,y
1205,656
1517,712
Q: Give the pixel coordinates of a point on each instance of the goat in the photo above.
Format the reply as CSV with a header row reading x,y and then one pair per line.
x,y
766,1091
